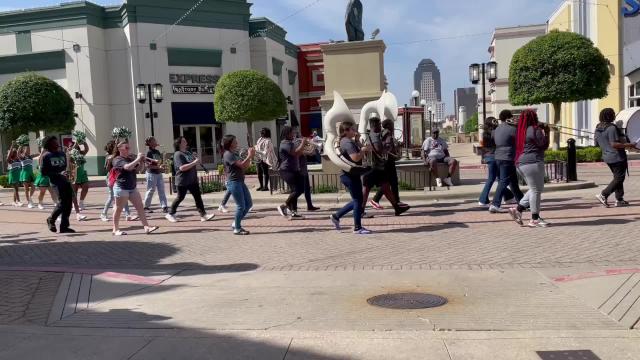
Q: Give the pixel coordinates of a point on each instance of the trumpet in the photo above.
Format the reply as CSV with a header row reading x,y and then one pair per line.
x,y
310,147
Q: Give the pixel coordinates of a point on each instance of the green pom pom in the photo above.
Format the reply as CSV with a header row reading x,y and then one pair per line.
x,y
23,140
79,137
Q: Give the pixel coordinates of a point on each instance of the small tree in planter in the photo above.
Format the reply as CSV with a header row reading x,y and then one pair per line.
x,y
248,96
556,68
32,102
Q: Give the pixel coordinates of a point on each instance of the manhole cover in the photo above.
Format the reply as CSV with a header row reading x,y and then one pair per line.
x,y
407,301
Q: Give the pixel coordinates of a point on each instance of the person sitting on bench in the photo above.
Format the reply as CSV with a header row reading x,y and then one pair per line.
x,y
434,151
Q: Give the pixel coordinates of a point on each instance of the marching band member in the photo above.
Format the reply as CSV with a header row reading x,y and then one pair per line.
x,y
268,160
290,173
234,168
304,170
155,179
389,146
54,165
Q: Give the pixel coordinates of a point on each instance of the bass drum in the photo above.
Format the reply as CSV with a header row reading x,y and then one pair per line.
x,y
629,120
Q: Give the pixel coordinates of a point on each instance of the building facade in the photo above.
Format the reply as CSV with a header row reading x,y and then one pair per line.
x,y
426,79
311,74
505,42
466,97
602,23
631,53
100,54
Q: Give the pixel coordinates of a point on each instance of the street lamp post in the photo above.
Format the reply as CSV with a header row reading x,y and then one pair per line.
x,y
430,109
142,92
406,124
482,73
423,107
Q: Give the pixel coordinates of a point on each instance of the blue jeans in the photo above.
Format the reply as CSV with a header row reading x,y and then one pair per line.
x,y
508,178
493,171
242,197
155,181
109,202
354,184
227,195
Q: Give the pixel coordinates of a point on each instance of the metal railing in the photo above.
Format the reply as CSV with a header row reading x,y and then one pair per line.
x,y
215,181
556,171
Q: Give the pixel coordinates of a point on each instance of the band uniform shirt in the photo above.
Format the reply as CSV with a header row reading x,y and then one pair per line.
x,y
155,155
288,160
184,178
378,149
536,142
504,137
435,148
126,178
53,165
233,172
605,135
349,147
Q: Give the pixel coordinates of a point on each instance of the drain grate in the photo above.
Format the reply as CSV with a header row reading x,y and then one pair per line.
x,y
407,301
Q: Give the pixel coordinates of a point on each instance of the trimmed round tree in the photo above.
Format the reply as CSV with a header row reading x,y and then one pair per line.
x,y
556,68
248,96
32,102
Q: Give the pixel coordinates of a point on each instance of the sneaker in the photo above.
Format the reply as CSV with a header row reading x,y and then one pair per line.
x,y
171,218
295,216
40,206
241,231
362,231
516,216
312,208
376,205
511,201
206,217
52,225
132,217
282,209
81,217
30,205
148,210
448,181
223,209
438,182
622,203
17,204
81,205
480,203
603,200
335,221
537,223
104,218
496,210
233,225
543,222
165,210
401,210
67,231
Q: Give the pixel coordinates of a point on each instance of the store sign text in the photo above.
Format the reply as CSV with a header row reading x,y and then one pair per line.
x,y
193,83
632,8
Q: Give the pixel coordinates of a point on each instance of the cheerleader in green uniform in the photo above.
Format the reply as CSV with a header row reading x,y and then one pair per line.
x,y
81,179
43,183
26,174
14,168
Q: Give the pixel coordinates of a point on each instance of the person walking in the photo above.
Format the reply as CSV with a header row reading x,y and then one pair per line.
x,y
234,168
304,171
488,148
26,174
393,154
185,164
110,150
54,166
504,137
14,167
268,158
531,142
43,183
613,143
350,148
289,155
155,178
124,190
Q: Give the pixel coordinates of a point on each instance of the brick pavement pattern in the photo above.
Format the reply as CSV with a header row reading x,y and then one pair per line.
x,y
26,298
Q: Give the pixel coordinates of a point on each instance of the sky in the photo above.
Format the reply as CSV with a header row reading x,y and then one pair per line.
x,y
452,33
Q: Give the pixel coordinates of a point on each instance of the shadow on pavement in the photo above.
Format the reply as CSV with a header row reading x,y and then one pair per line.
x,y
426,228
597,222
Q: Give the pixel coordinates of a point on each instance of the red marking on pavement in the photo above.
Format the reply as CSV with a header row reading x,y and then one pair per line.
x,y
595,274
136,279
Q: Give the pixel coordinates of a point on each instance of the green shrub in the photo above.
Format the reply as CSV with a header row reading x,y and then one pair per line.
x,y
251,170
591,154
326,189
210,187
587,154
4,181
220,169
554,155
405,186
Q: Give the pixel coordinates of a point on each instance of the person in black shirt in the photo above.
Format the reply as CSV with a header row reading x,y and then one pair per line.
x,y
54,166
155,180
289,155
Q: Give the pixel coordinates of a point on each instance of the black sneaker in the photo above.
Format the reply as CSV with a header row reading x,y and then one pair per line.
x,y
241,231
148,210
313,208
67,231
282,209
52,225
603,200
402,210
622,203
295,216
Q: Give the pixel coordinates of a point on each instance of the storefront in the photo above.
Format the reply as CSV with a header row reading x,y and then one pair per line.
x,y
101,55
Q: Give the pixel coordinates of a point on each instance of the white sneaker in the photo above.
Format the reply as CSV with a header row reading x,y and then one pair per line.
x,y
206,217
104,218
132,217
480,203
223,209
81,217
40,206
17,204
438,182
81,205
496,210
30,205
448,181
171,218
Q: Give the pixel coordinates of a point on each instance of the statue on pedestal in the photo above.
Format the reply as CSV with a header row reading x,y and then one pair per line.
x,y
353,21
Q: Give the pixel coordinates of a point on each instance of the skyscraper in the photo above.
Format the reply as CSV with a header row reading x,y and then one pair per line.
x,y
466,97
426,79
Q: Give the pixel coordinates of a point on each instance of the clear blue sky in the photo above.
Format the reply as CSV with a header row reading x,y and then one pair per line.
x,y
400,22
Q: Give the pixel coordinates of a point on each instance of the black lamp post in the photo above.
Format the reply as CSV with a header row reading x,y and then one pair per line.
x,y
142,92
481,73
430,109
423,107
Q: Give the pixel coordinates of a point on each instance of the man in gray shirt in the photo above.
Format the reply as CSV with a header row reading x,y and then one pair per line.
x,y
435,150
505,138
613,144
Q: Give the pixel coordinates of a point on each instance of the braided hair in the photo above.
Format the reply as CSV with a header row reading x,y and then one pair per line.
x,y
527,118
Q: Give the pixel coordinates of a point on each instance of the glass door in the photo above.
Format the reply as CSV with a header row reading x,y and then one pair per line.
x,y
201,142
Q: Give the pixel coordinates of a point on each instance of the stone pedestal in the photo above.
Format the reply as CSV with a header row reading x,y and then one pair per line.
x,y
356,71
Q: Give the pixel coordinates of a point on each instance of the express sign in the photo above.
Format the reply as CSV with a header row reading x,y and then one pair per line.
x,y
631,8
191,84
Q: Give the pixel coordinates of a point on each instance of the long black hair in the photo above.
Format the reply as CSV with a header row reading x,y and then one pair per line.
x,y
227,140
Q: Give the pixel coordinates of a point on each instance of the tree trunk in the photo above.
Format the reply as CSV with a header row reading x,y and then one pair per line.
x,y
555,131
250,134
